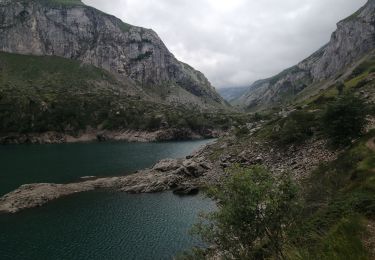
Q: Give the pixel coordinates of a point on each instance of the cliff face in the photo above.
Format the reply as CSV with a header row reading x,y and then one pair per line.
x,y
69,29
353,39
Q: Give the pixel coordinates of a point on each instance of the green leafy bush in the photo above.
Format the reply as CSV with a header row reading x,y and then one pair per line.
x,y
344,119
254,209
296,128
361,83
241,131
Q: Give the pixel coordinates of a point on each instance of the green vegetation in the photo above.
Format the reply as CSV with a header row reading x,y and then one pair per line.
x,y
339,197
344,119
296,128
337,200
40,94
241,131
361,72
254,210
260,216
143,56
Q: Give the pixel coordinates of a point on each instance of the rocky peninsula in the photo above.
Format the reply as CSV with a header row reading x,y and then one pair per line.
x,y
183,176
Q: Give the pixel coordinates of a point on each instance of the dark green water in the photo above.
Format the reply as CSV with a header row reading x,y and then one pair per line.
x,y
95,225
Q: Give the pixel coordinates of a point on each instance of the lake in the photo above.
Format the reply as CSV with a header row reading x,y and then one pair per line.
x,y
99,224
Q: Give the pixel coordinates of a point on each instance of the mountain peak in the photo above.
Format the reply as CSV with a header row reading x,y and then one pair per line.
x,y
134,54
352,41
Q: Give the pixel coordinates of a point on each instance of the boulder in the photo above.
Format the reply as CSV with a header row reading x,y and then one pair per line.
x,y
186,190
166,165
193,168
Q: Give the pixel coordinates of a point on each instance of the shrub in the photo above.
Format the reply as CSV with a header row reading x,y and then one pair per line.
x,y
340,88
296,128
153,123
361,83
358,71
344,119
241,131
254,208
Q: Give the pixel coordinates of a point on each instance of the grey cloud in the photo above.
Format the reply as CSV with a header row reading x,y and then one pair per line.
x,y
235,42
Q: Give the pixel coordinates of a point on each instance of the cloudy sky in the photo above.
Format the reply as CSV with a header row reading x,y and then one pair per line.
x,y
235,42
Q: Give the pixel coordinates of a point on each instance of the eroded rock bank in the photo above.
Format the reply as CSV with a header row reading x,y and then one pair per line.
x,y
51,137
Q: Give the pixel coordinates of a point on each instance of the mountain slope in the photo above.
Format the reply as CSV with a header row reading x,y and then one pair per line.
x,y
136,56
46,99
352,41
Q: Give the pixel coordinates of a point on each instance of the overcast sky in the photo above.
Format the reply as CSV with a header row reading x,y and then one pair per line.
x,y
235,42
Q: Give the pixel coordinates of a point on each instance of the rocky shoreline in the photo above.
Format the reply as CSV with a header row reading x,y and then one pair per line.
x,y
51,137
184,176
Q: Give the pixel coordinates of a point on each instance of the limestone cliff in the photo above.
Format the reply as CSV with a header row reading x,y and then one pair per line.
x,y
353,40
137,56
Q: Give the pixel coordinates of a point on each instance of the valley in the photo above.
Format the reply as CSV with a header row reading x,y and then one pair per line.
x,y
98,120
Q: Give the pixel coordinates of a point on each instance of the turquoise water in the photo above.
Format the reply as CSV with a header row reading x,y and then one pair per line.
x,y
96,225
20,164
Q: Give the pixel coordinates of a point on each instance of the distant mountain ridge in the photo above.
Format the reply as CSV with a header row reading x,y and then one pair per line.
x,y
137,56
352,41
230,94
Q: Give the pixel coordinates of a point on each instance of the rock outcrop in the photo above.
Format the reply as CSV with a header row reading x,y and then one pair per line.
x,y
135,55
183,175
352,41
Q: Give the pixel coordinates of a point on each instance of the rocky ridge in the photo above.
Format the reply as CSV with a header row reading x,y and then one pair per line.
x,y
352,41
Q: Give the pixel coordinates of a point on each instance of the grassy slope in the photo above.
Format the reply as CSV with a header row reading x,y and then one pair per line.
x,y
339,196
40,94
356,81
340,199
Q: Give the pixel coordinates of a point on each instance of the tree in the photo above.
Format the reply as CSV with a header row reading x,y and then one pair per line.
x,y
344,119
340,87
254,209
296,128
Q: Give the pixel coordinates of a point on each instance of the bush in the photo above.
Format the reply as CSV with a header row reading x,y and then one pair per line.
x,y
344,119
241,131
361,83
358,71
296,128
153,123
254,209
